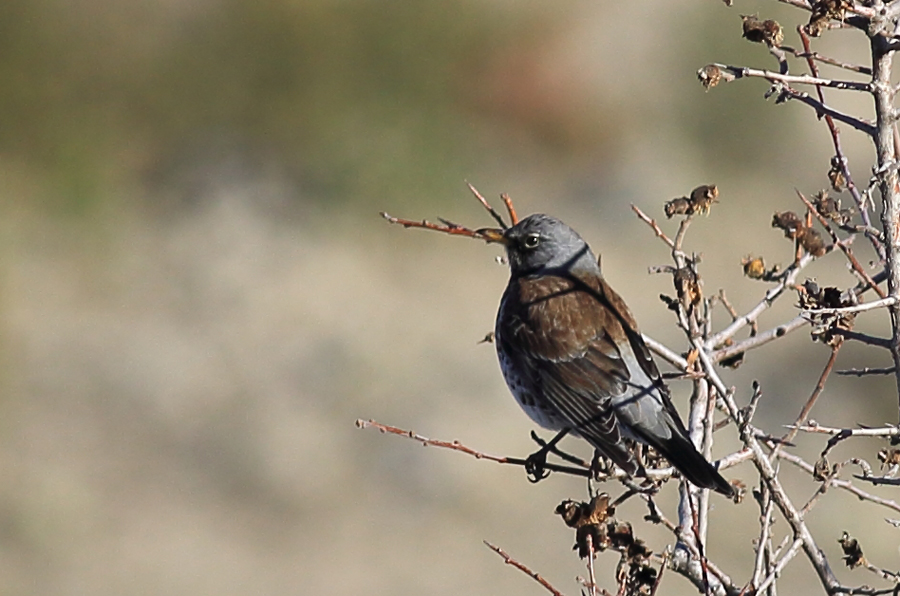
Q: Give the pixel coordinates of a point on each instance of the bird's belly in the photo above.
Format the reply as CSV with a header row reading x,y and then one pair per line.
x,y
543,415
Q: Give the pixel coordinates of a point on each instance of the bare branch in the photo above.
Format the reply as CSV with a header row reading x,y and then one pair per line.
x,y
740,72
457,446
524,569
865,306
812,427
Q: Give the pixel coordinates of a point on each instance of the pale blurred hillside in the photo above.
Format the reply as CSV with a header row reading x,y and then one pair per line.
x,y
199,299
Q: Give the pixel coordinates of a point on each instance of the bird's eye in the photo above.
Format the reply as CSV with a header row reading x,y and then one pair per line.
x,y
532,240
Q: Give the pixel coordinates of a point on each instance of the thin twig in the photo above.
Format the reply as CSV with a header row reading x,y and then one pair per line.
x,y
787,280
846,485
759,340
844,248
810,55
447,227
457,446
839,151
653,225
865,306
590,565
774,77
509,208
493,212
863,372
817,391
886,431
524,569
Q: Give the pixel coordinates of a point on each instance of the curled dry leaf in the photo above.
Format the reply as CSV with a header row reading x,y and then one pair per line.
x,y
889,458
710,76
688,287
790,223
831,208
700,200
588,519
836,175
813,243
822,12
826,327
853,555
757,31
822,470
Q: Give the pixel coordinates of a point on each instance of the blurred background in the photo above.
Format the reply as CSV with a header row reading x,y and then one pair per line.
x,y
199,298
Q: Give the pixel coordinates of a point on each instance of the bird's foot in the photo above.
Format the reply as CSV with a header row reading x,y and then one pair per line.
x,y
600,466
536,466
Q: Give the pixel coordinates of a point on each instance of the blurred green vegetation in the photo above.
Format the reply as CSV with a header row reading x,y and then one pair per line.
x,y
349,99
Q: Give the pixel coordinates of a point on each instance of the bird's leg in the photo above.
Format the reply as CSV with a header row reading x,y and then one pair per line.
x,y
600,465
536,462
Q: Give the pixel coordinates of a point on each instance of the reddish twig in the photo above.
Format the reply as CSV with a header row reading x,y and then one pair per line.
x,y
457,446
820,386
509,207
652,223
447,227
844,248
524,569
493,212
838,150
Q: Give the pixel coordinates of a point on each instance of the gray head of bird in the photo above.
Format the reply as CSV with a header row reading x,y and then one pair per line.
x,y
543,244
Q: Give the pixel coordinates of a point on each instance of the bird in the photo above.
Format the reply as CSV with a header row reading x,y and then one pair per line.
x,y
574,359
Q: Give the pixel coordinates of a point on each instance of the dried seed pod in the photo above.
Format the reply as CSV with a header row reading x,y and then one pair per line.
x,y
753,28
687,285
772,33
679,206
831,208
826,328
812,242
822,471
754,267
709,76
768,32
889,458
836,176
822,12
790,223
703,197
589,519
853,555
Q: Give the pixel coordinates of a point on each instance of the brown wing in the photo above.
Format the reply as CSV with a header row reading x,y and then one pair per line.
x,y
562,339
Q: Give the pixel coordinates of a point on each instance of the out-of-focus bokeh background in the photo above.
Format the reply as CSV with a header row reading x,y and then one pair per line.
x,y
199,299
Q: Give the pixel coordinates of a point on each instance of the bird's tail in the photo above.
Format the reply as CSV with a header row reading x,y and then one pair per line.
x,y
682,454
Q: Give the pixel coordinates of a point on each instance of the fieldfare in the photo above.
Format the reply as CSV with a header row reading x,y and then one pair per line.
x,y
573,357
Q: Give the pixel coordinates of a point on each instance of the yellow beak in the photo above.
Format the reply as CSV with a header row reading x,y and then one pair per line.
x,y
493,235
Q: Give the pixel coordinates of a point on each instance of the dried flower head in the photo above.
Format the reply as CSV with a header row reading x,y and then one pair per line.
x,y
831,208
688,287
826,327
836,175
822,12
853,555
754,267
700,201
709,76
679,206
790,223
812,242
703,197
757,31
